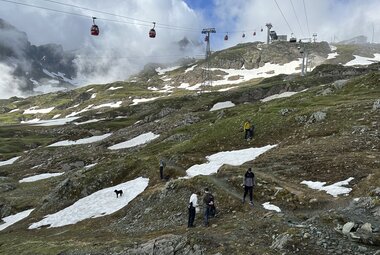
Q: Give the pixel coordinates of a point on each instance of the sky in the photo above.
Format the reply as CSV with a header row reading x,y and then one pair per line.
x,y
327,18
123,46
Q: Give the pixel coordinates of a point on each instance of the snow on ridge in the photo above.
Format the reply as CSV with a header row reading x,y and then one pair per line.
x,y
268,70
87,140
191,68
12,219
32,121
114,88
332,55
98,204
90,166
138,140
111,105
34,110
136,101
88,121
281,95
234,158
162,71
53,122
39,177
9,161
88,108
334,189
222,105
363,60
14,110
333,48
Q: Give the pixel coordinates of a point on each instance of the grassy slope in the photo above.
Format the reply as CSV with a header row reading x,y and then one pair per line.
x,y
305,151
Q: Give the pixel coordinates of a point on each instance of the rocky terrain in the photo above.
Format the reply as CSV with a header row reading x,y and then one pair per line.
x,y
327,131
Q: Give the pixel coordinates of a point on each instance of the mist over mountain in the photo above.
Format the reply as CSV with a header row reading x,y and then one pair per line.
x,y
28,69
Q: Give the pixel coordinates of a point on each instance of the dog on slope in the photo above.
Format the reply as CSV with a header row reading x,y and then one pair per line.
x,y
118,192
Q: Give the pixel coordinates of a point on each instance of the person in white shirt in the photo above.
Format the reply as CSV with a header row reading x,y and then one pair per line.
x,y
193,208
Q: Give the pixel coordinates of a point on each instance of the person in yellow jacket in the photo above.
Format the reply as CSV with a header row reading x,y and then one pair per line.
x,y
247,129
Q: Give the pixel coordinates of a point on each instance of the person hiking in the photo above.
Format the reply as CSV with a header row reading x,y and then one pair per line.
x,y
247,129
193,208
249,182
162,165
208,201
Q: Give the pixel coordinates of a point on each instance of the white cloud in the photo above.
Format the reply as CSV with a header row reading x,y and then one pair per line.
x,y
9,84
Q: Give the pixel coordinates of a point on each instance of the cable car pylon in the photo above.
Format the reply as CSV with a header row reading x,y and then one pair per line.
x,y
208,31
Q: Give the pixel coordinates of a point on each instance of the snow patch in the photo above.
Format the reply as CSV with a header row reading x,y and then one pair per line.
x,y
9,161
34,110
332,55
363,60
270,207
54,122
39,177
282,95
141,139
88,121
162,71
222,105
142,100
333,189
111,105
190,69
114,88
234,158
12,219
91,139
98,204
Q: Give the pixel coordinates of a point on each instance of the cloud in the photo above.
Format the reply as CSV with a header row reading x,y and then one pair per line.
x,y
9,84
123,46
342,19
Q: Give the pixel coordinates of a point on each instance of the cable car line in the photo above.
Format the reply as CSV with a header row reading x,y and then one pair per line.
x,y
307,20
295,14
132,21
121,16
291,30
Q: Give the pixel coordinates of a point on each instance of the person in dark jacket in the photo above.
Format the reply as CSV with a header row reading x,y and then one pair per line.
x,y
208,201
249,182
162,165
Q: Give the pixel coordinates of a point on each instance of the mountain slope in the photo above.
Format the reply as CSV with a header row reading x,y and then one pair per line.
x,y
327,133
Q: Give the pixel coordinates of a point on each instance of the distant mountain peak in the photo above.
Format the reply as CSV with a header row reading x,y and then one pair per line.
x,y
361,39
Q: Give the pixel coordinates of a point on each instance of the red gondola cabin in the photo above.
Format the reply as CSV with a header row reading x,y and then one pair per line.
x,y
94,30
152,32
94,27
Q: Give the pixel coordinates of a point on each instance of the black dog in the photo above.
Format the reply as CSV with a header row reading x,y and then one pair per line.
x,y
118,192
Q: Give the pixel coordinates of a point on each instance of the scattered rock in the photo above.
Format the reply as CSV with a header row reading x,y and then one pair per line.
x,y
281,241
317,117
301,119
347,228
366,227
285,111
376,105
339,84
325,92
